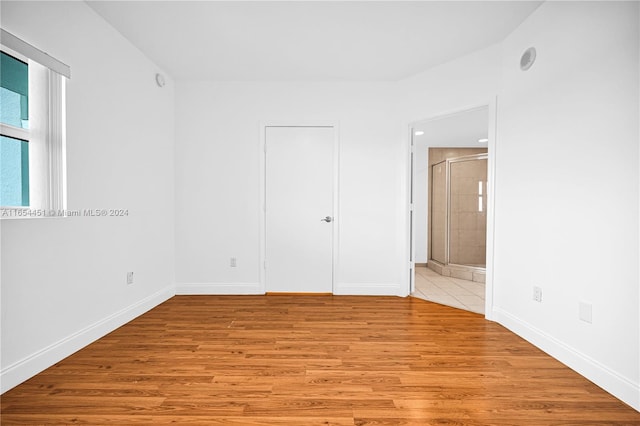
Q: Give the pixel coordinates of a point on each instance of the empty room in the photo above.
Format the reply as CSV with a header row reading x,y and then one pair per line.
x,y
320,212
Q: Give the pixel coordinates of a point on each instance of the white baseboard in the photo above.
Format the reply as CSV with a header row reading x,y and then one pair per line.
x,y
218,288
367,289
359,289
28,367
619,386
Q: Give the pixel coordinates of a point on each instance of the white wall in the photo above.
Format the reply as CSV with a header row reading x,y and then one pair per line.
x,y
218,160
64,280
218,180
567,189
467,82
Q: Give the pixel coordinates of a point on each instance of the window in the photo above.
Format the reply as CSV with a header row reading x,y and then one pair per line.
x,y
14,157
32,130
14,136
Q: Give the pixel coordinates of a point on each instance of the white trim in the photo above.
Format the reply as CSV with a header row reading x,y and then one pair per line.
x,y
491,217
336,192
33,364
56,143
368,289
412,212
14,132
218,288
453,112
33,53
336,205
262,226
619,386
403,209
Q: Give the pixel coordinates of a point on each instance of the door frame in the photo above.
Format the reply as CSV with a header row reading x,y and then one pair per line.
x,y
263,190
492,105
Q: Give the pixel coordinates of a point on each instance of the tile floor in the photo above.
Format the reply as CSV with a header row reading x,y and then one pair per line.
x,y
462,294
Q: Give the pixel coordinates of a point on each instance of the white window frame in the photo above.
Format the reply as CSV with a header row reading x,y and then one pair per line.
x,y
14,132
20,133
46,134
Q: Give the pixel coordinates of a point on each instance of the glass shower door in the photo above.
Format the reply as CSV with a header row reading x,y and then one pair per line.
x,y
468,211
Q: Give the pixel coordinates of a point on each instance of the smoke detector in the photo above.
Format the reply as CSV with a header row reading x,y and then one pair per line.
x,y
528,58
160,80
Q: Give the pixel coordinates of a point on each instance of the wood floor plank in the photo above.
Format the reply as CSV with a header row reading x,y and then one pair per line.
x,y
310,360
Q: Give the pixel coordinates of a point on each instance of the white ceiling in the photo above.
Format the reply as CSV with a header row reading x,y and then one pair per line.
x,y
309,40
462,129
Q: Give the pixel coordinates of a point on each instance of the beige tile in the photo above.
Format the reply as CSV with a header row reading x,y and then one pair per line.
x,y
455,290
442,281
479,277
433,291
468,203
465,275
421,287
477,290
420,294
464,283
421,272
469,300
479,309
469,221
430,273
438,271
448,300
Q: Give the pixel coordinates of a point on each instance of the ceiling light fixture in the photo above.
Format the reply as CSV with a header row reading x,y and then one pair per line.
x,y
483,140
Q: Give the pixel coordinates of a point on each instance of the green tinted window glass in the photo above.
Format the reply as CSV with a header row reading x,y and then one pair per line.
x,y
14,172
14,91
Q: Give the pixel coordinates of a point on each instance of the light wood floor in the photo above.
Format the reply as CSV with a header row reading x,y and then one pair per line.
x,y
311,360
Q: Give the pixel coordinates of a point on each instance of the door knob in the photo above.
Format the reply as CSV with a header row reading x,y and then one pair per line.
x,y
326,219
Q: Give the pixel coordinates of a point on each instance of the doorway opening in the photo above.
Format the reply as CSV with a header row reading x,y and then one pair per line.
x,y
451,210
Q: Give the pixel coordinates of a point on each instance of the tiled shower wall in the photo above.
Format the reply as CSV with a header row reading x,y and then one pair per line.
x,y
468,215
468,207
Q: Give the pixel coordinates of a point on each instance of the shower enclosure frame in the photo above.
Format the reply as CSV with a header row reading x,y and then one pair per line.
x,y
447,227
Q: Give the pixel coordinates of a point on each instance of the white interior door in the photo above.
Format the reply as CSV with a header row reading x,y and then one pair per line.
x,y
299,210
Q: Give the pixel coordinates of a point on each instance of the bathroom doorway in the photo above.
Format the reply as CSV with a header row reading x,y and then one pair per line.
x,y
452,211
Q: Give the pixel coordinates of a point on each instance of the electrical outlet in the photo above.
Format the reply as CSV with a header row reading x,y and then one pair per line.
x,y
233,262
537,294
129,278
585,312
